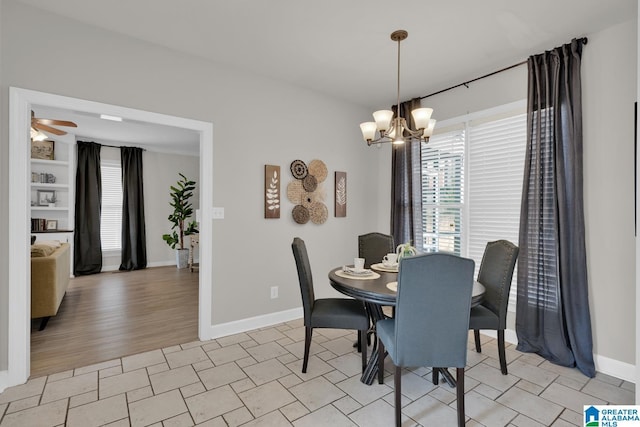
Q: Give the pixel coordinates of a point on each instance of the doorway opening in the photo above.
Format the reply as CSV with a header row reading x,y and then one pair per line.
x,y
20,103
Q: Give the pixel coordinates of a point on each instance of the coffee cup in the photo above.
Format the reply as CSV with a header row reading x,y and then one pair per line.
x,y
358,263
390,260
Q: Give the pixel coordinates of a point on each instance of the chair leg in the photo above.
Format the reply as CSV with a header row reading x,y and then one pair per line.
x,y
397,388
435,373
380,362
307,343
501,352
363,341
476,336
460,395
359,342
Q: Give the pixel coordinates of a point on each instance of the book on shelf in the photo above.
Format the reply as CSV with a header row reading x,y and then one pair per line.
x,y
38,224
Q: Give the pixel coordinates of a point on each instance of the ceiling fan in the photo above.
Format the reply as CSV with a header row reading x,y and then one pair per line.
x,y
38,125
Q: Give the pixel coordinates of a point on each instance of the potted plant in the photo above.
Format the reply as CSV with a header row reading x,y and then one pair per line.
x,y
181,194
51,201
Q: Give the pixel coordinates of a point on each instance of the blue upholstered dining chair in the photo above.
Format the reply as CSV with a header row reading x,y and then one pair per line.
x,y
431,322
336,313
374,246
496,271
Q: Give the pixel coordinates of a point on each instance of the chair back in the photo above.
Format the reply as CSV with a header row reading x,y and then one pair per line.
x,y
304,277
432,310
496,271
374,246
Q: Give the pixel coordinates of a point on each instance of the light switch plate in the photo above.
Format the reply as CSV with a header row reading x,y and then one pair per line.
x,y
218,213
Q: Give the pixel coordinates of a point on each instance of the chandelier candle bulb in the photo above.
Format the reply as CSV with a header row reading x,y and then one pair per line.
x,y
428,131
383,119
368,130
421,117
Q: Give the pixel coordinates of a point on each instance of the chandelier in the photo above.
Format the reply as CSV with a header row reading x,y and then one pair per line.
x,y
395,129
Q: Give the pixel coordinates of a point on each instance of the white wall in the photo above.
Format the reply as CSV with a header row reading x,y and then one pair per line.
x,y
250,254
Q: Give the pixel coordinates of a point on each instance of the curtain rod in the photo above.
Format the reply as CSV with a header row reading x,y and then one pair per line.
x,y
466,84
120,146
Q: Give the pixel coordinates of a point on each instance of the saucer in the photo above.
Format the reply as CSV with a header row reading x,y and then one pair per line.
x,y
381,267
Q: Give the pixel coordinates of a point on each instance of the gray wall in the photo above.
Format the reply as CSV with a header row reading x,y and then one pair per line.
x,y
250,254
160,170
105,67
4,207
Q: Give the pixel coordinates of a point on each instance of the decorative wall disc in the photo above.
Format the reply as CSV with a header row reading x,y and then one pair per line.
x,y
310,183
300,214
318,212
299,169
318,169
295,191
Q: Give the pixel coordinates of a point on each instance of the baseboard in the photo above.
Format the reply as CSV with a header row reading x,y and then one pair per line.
x,y
238,326
615,368
4,380
106,268
605,365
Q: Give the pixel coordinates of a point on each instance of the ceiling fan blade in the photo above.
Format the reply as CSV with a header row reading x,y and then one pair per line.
x,y
48,129
55,122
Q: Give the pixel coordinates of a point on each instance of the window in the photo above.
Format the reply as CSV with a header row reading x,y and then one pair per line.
x,y
472,183
496,167
443,192
111,216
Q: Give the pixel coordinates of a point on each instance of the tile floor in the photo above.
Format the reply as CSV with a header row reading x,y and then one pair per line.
x,y
255,379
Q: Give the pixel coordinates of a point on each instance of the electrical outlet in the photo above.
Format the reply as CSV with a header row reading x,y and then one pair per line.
x,y
274,292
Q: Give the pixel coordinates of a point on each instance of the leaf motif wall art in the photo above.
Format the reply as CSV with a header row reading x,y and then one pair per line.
x,y
341,194
272,191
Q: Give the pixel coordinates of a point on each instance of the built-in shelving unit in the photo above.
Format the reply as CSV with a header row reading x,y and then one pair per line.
x,y
49,178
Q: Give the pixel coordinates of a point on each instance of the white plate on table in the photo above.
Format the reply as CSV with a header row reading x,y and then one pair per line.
x,y
381,267
393,286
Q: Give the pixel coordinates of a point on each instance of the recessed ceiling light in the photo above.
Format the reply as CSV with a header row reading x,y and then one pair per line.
x,y
112,118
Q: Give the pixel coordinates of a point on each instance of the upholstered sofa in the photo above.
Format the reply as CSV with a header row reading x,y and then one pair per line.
x,y
50,272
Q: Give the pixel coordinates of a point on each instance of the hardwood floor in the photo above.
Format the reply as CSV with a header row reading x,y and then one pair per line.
x,y
114,314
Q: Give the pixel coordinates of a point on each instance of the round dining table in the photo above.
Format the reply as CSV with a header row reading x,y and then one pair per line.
x,y
378,290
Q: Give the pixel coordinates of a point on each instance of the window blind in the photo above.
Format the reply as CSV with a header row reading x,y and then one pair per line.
x,y
443,191
111,215
495,172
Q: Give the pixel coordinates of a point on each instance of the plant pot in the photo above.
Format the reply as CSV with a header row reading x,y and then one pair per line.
x,y
52,205
182,258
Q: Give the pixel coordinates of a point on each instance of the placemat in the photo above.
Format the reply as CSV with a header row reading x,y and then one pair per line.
x,y
371,276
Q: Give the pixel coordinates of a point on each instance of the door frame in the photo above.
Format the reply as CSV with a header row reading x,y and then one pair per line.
x,y
19,305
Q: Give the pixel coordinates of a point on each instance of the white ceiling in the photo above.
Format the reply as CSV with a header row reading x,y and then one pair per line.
x,y
167,139
342,48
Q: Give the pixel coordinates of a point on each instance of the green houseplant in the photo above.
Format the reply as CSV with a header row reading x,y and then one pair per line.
x,y
181,194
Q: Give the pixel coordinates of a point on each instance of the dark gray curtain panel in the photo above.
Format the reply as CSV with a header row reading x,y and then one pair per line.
x,y
134,240
552,316
87,246
406,185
